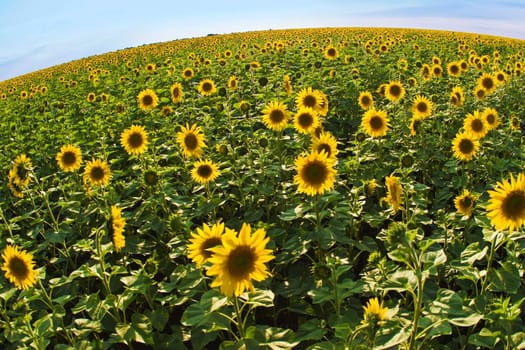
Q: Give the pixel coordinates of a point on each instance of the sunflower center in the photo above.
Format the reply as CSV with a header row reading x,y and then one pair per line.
x,y
422,107
176,93
365,100
21,171
18,268
331,52
309,101
69,158
206,87
480,93
191,141
477,125
314,173
241,262
97,173
376,122
454,69
466,146
147,100
204,171
395,90
135,140
209,243
276,116
466,202
491,118
306,120
187,73
513,205
487,83
324,147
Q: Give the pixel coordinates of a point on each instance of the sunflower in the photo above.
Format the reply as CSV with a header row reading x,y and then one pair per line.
x,y
394,91
327,143
187,73
480,92
19,267
365,100
491,118
166,110
191,140
306,120
287,83
233,83
204,171
207,87
309,98
415,123
315,173
421,107
464,203
375,122
147,100
240,260
501,77
457,96
374,313
69,158
487,82
204,239
475,124
323,103
176,93
331,53
97,172
276,116
437,70
465,146
117,227
515,123
506,206
394,191
134,140
453,69
21,170
91,97
16,190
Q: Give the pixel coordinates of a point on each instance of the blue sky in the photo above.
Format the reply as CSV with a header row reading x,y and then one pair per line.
x,y
35,34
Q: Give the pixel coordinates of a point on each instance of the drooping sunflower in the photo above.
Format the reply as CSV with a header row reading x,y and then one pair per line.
x,y
191,140
394,192
204,171
240,260
16,190
464,203
374,313
22,167
19,267
491,117
476,125
375,122
365,100
176,93
134,140
465,146
421,107
394,91
306,120
287,83
326,142
233,83
207,87
506,206
315,173
69,158
308,98
147,100
331,52
204,239
276,116
97,172
118,222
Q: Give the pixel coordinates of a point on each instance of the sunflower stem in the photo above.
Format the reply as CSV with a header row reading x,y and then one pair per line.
x,y
240,323
6,223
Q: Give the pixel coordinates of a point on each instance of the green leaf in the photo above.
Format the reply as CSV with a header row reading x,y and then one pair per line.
x,y
259,297
505,279
347,287
321,295
139,330
485,338
472,253
311,330
159,318
401,281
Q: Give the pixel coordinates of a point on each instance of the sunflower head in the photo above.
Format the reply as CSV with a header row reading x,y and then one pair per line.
x,y
97,172
491,118
374,313
187,73
19,267
276,116
365,100
207,87
327,143
306,120
134,140
69,158
375,122
394,91
315,173
176,93
394,192
464,203
147,100
117,228
476,125
465,146
150,178
506,206
233,83
331,53
308,98
421,107
204,171
203,240
487,82
191,140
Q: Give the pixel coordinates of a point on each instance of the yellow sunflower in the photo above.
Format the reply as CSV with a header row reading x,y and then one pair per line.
x,y
275,116
19,267
465,146
134,140
476,125
327,143
421,107
69,158
480,93
91,97
207,87
491,118
204,171
315,173
191,140
506,206
22,167
375,122
394,192
16,190
287,84
117,227
457,96
415,123
453,69
233,83
240,260
331,53
306,120
487,82
394,91
204,239
97,172
365,100
147,100
308,98
176,93
187,73
464,203
374,313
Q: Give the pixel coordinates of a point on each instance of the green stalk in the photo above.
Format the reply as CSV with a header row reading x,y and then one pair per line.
x,y
240,323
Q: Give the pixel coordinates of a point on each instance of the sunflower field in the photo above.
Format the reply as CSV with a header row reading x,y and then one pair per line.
x,y
329,188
